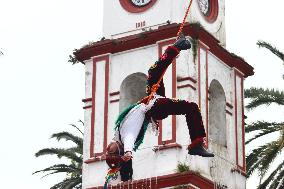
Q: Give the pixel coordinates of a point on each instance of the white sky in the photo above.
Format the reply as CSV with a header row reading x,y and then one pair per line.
x,y
41,92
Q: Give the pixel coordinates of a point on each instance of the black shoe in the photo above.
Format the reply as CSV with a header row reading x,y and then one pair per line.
x,y
182,43
200,151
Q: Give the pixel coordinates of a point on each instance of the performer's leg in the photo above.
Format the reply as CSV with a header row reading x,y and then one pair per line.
x,y
126,171
165,106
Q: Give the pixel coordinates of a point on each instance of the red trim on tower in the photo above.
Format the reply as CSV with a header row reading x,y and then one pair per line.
x,y
114,93
213,12
229,105
95,159
130,7
164,32
113,101
93,116
106,103
185,86
207,101
205,119
236,119
91,155
174,95
199,78
243,124
242,167
166,181
228,112
87,100
174,86
180,79
87,107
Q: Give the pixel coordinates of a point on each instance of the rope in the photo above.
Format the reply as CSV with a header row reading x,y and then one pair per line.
x,y
183,22
156,86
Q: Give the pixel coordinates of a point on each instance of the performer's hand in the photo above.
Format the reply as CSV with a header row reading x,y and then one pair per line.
x,y
127,156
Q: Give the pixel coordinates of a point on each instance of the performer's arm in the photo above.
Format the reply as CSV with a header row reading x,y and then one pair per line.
x,y
157,69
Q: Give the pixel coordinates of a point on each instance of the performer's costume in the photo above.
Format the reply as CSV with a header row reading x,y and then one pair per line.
x,y
133,121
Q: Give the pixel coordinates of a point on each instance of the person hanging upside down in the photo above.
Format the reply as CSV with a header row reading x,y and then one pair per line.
x,y
132,123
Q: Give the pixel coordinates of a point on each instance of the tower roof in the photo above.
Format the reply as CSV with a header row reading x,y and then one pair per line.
x,y
150,37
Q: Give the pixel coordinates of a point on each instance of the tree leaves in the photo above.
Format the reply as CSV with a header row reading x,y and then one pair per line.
x,y
274,50
74,154
260,96
263,156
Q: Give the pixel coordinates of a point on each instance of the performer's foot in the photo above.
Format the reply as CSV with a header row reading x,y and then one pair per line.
x,y
182,43
200,151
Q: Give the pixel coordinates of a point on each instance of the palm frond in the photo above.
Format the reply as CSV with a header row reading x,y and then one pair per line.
x,y
80,121
270,153
74,154
260,96
76,149
274,50
278,182
60,152
73,183
271,177
68,137
66,183
261,158
61,167
263,125
253,160
264,128
73,125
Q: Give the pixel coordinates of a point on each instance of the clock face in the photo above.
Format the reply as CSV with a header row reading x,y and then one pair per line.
x,y
204,6
209,9
137,6
140,3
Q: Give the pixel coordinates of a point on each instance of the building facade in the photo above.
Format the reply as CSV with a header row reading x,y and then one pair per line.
x,y
136,34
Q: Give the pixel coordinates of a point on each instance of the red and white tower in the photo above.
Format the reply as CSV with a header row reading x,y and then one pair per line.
x,y
137,32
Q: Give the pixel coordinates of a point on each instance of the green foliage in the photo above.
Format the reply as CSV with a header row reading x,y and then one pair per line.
x,y
73,154
73,59
260,96
194,43
182,167
272,49
264,128
261,158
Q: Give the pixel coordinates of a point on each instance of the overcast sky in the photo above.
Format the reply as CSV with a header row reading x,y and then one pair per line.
x,y
41,92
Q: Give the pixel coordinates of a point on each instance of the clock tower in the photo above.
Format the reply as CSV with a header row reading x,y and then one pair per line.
x,y
136,34
126,17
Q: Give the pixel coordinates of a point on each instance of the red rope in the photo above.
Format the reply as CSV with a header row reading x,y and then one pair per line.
x,y
183,22
156,86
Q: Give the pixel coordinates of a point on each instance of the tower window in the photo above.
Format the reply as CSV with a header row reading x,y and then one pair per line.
x,y
132,89
217,114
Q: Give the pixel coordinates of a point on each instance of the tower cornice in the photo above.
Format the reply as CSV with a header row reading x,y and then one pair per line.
x,y
151,37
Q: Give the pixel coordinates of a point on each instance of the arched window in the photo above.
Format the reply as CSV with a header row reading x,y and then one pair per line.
x,y
132,89
217,114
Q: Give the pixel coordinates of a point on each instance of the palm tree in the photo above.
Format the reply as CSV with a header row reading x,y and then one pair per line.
x,y
74,155
263,156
